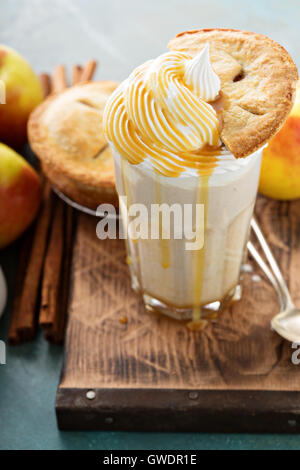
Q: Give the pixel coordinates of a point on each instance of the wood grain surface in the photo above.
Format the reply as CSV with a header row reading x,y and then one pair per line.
x,y
151,353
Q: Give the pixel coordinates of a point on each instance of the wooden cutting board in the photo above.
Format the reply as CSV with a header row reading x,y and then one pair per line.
x,y
152,373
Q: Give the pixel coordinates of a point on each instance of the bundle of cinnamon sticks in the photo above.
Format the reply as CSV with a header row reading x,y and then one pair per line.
x,y
42,284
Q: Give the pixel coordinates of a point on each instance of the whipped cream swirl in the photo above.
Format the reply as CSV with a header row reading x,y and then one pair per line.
x,y
200,75
161,113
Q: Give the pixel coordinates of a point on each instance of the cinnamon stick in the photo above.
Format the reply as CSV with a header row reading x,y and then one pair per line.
x,y
59,81
26,242
26,323
53,313
52,269
56,333
76,74
46,84
88,70
54,255
55,285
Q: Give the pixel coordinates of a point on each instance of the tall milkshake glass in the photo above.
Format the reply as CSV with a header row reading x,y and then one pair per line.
x,y
163,125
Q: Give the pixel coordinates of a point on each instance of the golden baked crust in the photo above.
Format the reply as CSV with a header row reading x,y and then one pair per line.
x,y
258,79
66,134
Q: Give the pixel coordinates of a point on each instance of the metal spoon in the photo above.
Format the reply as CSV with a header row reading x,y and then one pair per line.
x,y
264,267
287,322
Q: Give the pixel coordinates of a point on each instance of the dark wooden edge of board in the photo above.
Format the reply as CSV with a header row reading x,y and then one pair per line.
x,y
178,410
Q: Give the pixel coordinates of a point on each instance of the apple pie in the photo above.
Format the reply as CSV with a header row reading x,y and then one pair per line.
x,y
258,82
66,134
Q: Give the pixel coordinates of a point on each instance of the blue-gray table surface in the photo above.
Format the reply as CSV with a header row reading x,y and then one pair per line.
x,y
121,35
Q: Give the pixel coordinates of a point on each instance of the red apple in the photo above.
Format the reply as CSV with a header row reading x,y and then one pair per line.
x,y
23,92
20,195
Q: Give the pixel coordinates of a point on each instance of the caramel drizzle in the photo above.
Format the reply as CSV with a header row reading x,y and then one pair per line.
x,y
154,115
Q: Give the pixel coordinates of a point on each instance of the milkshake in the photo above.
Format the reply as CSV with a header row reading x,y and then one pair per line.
x,y
164,123
187,283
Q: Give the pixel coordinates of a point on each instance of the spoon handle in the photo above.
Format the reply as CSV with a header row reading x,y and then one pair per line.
x,y
254,253
273,263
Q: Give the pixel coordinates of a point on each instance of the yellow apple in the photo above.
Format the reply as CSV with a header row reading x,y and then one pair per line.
x,y
280,171
23,93
20,195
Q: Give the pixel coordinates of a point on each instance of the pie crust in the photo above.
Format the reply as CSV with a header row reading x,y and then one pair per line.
x,y
66,133
258,82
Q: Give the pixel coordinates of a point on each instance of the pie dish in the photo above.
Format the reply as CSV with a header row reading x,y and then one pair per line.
x,y
66,134
258,83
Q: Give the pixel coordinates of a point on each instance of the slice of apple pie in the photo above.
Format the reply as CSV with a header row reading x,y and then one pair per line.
x,y
258,81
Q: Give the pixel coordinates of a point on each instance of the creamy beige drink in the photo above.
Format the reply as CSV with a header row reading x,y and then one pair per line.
x,y
163,125
177,280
